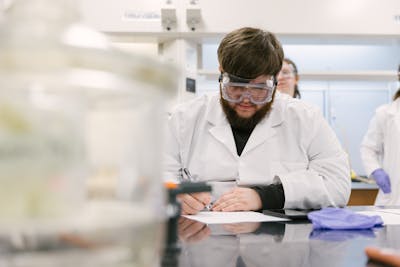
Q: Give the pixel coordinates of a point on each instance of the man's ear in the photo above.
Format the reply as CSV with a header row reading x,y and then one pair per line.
x,y
220,68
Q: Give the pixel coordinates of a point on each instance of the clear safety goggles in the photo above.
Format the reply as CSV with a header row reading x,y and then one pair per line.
x,y
286,74
235,89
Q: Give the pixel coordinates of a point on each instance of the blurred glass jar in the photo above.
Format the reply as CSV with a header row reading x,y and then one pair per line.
x,y
78,119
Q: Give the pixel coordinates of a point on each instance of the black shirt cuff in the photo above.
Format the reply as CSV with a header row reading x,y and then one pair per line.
x,y
272,196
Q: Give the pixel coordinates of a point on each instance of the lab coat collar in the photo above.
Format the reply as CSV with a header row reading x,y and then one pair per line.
x,y
277,110
215,114
266,129
220,127
394,107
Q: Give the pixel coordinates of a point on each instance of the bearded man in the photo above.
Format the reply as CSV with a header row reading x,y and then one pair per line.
x,y
257,148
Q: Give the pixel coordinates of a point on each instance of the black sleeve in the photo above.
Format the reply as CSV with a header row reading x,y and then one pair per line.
x,y
272,196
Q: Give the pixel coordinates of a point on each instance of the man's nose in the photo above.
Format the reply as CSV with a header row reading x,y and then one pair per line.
x,y
246,96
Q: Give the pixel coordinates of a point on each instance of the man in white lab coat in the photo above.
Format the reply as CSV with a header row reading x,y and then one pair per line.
x,y
258,149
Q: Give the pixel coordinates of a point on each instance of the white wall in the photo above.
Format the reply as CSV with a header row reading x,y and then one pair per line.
x,y
149,49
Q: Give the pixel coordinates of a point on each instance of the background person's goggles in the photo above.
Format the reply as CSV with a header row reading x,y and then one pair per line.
x,y
234,89
286,74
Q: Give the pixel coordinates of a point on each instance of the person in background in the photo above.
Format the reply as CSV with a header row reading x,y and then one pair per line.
x,y
380,151
271,151
288,79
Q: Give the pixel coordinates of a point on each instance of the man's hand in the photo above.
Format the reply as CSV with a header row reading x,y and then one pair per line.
x,y
238,199
193,203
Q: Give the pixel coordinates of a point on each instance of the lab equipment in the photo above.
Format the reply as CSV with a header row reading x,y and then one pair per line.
x,y
172,249
235,88
80,138
382,180
341,219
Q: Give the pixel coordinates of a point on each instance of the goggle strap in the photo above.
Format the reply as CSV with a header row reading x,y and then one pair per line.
x,y
255,85
241,80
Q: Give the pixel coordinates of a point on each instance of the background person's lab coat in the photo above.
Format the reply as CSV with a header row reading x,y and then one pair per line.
x,y
294,143
381,149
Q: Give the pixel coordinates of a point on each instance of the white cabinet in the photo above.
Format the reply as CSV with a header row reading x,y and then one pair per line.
x,y
350,110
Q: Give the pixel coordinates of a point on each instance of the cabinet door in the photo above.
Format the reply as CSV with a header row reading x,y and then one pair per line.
x,y
315,97
349,113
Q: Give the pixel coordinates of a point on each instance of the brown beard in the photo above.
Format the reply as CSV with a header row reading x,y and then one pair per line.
x,y
245,124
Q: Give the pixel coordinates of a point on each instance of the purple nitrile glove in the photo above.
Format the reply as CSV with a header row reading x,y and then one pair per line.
x,y
382,179
342,219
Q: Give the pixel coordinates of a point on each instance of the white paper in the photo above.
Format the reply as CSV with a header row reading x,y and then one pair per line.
x,y
215,217
389,216
395,211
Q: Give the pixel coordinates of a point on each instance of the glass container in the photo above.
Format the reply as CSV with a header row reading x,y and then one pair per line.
x,y
80,142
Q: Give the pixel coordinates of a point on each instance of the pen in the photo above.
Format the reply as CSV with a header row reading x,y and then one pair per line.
x,y
208,207
189,177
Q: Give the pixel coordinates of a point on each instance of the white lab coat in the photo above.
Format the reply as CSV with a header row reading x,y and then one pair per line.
x,y
293,145
381,149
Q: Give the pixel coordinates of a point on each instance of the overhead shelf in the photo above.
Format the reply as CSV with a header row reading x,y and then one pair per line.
x,y
349,75
329,75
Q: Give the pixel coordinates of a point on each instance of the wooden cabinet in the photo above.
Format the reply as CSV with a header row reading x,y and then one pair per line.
x,y
362,194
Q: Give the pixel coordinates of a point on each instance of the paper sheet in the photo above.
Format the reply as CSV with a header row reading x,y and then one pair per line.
x,y
395,211
389,216
210,217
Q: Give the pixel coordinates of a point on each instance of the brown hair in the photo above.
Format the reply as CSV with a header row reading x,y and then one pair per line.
x,y
250,52
296,73
397,94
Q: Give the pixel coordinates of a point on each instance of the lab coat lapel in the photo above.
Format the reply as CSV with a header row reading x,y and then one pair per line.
x,y
220,128
260,134
394,108
266,129
223,133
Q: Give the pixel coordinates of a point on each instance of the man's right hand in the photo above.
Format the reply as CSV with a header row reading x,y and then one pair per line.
x,y
193,203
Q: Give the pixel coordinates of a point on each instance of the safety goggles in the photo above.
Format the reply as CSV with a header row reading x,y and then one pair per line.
x,y
235,89
286,74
